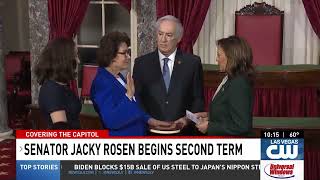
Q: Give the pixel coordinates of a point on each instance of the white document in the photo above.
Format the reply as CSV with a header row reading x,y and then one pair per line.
x,y
192,117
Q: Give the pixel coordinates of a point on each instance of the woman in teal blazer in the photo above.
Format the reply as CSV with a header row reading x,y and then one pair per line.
x,y
230,111
113,95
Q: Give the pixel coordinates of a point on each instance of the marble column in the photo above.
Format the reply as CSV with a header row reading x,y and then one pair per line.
x,y
39,35
4,129
146,19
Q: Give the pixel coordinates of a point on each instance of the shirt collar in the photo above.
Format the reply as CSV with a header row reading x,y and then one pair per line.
x,y
171,57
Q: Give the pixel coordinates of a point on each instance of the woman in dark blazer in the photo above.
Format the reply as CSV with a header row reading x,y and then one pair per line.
x,y
230,111
113,95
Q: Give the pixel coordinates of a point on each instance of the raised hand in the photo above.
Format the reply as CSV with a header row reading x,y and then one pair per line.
x,y
130,86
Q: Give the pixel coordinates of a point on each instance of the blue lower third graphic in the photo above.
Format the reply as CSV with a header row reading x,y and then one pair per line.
x,y
38,170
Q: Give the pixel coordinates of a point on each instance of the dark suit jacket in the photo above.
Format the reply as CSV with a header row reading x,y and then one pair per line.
x,y
231,109
185,91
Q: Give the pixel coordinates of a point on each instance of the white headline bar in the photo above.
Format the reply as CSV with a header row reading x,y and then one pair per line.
x,y
138,149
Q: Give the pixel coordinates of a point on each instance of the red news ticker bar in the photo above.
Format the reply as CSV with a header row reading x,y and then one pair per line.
x,y
61,134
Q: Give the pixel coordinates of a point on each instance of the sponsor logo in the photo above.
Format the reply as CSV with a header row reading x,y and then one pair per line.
x,y
279,171
282,151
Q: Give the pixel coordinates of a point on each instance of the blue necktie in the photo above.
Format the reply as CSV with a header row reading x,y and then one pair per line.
x,y
166,72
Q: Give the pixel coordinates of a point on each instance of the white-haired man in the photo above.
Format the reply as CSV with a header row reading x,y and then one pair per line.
x,y
168,82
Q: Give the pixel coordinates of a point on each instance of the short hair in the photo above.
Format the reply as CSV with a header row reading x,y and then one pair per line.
x,y
57,61
179,27
109,46
239,56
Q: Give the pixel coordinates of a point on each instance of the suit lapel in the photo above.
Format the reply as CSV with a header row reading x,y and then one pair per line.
x,y
176,72
221,91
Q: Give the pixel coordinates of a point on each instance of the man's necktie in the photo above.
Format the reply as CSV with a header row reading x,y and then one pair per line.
x,y
166,72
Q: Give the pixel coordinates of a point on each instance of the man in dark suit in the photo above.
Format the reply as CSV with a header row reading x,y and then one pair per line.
x,y
167,81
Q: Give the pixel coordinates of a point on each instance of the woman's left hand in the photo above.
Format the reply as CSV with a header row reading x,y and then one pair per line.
x,y
203,126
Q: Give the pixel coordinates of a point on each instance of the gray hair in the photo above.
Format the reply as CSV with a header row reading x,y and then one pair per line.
x,y
179,28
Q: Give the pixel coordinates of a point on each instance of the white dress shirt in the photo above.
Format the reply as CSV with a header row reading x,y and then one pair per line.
x,y
121,81
224,80
170,62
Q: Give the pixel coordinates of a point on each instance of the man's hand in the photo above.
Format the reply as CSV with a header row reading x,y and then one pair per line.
x,y
157,124
181,122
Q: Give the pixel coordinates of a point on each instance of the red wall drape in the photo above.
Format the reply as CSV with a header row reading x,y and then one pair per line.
x,y
279,102
313,11
191,13
311,163
65,17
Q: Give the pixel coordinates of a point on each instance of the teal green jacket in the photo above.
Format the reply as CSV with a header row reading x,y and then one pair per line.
x,y
231,109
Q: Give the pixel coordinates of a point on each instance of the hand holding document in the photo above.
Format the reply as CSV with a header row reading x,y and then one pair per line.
x,y
202,124
193,117
197,117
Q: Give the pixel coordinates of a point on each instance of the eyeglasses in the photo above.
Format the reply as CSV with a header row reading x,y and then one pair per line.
x,y
127,52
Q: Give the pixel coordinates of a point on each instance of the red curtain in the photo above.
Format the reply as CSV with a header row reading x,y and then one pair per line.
x,y
191,13
313,11
65,17
280,102
126,4
311,162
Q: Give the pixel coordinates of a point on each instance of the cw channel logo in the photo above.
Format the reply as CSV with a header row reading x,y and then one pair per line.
x,y
282,149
